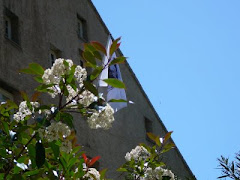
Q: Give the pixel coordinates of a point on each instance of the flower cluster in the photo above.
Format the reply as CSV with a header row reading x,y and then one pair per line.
x,y
139,153
74,98
158,173
102,118
25,109
54,75
92,174
57,130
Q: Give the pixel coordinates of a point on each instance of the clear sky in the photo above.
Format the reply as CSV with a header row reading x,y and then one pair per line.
x,y
186,55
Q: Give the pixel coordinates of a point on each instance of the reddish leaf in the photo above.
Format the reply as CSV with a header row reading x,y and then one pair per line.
x,y
85,158
93,160
35,96
167,136
152,136
99,47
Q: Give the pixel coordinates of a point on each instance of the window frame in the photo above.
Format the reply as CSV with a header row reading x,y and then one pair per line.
x,y
13,33
55,52
54,55
8,27
148,124
82,28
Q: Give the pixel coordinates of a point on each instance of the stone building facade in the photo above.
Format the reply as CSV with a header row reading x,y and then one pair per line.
x,y
39,31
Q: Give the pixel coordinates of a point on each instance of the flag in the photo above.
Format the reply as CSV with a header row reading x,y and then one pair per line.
x,y
112,72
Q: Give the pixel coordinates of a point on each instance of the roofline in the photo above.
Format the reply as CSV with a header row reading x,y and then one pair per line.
x,y
140,86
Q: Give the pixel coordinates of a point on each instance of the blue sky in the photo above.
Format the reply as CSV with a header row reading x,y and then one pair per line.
x,y
186,55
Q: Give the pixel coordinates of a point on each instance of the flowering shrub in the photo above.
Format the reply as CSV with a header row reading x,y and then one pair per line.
x,y
144,162
38,141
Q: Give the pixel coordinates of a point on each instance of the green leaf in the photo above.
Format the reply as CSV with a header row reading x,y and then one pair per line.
x,y
38,79
55,149
65,63
102,174
40,154
115,83
96,73
32,154
24,96
118,60
97,55
27,71
72,161
89,86
16,169
3,153
68,119
122,169
76,149
71,74
22,159
114,46
89,47
36,68
88,56
167,147
5,127
117,100
30,173
99,47
44,88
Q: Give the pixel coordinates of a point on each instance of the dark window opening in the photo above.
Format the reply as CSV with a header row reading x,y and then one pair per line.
x,y
11,23
54,54
82,28
148,128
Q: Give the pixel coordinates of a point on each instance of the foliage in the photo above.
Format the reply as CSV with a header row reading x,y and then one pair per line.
x,y
230,169
145,162
38,141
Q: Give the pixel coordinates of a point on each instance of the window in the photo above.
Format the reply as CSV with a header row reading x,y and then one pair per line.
x,y
11,24
4,96
53,57
54,54
8,32
148,128
82,28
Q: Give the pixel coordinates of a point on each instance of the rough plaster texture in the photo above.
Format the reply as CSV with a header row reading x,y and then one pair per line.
x,y
46,24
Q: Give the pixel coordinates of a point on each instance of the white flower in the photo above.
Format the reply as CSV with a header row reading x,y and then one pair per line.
x,y
25,111
66,146
71,95
102,119
92,172
160,172
57,130
45,112
157,174
86,98
58,69
139,153
80,75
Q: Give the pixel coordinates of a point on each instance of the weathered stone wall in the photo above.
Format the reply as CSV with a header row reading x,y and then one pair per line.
x,y
44,24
